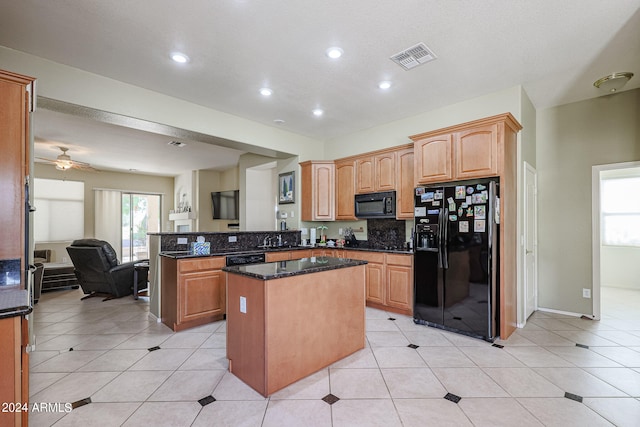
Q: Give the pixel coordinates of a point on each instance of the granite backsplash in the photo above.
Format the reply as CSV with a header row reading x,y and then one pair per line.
x,y
245,240
385,234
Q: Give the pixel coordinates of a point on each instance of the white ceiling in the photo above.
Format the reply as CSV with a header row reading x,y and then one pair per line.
x,y
554,49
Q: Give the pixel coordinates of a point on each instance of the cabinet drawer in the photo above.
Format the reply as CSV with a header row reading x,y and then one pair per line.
x,y
277,256
198,264
405,260
366,256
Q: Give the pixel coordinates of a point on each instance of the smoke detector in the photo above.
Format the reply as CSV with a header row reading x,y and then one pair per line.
x,y
414,56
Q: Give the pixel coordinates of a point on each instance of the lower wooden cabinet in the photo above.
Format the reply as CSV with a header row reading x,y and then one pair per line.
x,y
389,280
193,291
14,371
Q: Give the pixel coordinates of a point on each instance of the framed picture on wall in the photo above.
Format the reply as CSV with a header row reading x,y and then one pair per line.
x,y
286,188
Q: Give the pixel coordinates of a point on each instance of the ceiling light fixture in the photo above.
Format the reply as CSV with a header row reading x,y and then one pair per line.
x,y
63,161
265,91
334,52
318,112
384,85
180,58
613,82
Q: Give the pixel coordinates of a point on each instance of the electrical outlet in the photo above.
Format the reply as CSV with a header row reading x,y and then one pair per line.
x,y
233,239
293,214
182,240
586,293
243,305
340,231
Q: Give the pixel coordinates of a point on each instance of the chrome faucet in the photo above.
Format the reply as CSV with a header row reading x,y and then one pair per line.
x,y
267,241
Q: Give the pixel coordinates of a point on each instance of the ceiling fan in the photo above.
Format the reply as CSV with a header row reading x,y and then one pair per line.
x,y
63,162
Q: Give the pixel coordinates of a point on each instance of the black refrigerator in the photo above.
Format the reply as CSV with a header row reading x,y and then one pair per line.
x,y
456,260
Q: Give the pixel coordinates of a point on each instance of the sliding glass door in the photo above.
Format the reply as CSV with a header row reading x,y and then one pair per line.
x,y
140,215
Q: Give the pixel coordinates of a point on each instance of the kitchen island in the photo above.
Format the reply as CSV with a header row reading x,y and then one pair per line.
x,y
288,319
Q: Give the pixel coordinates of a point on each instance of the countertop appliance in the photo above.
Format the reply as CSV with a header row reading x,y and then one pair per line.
x,y
376,205
245,259
456,257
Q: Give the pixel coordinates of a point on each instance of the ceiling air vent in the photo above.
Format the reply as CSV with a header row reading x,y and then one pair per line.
x,y
177,144
414,56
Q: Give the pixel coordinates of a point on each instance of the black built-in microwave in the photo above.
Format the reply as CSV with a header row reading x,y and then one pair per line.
x,y
376,205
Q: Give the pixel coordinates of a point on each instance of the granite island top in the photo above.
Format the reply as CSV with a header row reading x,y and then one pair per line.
x,y
295,267
14,298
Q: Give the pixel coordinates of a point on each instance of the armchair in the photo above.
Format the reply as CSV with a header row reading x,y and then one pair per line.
x,y
98,270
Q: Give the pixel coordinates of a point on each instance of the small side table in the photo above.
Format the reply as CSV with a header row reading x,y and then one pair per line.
x,y
139,266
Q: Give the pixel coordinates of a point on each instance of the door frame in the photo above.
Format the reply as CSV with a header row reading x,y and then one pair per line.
x,y
596,175
525,236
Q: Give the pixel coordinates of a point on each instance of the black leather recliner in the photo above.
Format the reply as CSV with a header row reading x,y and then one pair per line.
x,y
99,272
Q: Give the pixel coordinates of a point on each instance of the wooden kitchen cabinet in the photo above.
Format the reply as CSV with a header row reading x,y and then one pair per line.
x,y
375,173
193,291
399,270
16,103
469,150
345,190
318,191
277,256
433,159
404,183
14,371
389,280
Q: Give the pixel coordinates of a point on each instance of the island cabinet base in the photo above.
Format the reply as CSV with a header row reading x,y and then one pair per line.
x,y
282,330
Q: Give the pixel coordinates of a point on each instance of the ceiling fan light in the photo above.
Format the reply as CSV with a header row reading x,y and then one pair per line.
x,y
613,82
63,165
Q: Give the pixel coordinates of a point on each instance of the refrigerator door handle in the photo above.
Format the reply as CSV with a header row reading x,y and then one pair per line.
x,y
444,251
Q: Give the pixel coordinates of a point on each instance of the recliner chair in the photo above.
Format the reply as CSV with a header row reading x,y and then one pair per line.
x,y
99,272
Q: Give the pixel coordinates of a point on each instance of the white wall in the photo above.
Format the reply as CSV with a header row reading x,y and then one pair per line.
x,y
261,199
620,267
571,139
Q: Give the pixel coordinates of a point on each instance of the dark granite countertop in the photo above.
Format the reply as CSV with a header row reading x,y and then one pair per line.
x,y
188,254
14,301
296,267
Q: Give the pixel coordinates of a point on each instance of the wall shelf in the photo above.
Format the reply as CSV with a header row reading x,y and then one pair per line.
x,y
182,216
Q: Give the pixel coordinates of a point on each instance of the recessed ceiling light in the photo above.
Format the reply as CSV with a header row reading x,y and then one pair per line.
x,y
318,112
177,144
334,52
384,85
265,91
278,121
180,58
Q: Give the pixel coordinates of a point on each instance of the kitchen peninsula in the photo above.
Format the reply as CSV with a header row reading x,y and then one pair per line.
x,y
288,319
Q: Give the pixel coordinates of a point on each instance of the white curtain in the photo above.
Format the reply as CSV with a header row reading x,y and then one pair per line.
x,y
108,220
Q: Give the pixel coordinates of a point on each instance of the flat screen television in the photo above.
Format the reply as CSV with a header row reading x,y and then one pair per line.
x,y
226,204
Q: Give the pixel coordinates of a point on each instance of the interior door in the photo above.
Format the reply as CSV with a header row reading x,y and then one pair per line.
x,y
530,240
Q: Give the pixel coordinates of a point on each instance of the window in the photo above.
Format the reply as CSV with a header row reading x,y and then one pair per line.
x,y
59,214
620,205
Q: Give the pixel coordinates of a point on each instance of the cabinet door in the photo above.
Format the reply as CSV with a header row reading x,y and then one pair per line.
x,y
385,172
399,289
433,158
14,126
365,175
405,184
303,253
477,152
345,190
318,187
375,282
201,295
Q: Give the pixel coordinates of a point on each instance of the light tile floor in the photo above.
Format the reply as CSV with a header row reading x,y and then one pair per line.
x,y
100,351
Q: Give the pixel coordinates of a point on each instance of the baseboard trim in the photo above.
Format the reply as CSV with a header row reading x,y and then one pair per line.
x,y
566,313
153,317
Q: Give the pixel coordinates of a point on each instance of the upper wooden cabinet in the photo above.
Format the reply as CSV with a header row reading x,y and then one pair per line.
x,y
470,150
15,105
376,173
318,191
405,183
345,190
